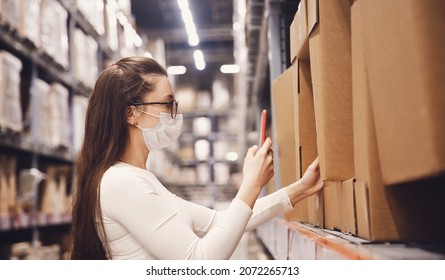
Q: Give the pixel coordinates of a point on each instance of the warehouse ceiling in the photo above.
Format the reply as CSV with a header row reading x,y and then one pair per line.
x,y
213,20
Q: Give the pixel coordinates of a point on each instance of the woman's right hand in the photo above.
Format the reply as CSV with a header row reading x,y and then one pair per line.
x,y
257,171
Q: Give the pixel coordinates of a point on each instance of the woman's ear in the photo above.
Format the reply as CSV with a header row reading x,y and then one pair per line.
x,y
131,115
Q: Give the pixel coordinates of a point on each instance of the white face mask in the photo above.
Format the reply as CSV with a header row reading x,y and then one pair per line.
x,y
165,132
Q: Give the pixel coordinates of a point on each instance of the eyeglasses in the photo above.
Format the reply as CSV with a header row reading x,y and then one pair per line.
x,y
171,105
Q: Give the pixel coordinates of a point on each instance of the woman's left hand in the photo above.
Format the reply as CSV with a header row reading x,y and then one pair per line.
x,y
308,185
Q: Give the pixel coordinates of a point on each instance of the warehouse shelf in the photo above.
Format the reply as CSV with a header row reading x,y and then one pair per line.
x,y
31,220
17,142
294,240
23,47
27,149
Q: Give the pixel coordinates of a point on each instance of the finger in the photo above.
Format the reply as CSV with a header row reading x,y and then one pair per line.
x,y
319,185
266,146
315,165
252,151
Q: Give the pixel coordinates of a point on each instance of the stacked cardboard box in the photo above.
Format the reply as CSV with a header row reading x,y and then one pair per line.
x,y
54,198
404,43
383,154
8,184
321,55
377,114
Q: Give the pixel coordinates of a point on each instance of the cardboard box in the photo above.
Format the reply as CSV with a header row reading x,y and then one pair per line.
x,y
370,197
332,205
398,213
299,44
308,137
315,205
310,209
339,206
12,186
3,186
330,59
307,133
361,198
405,56
283,112
348,221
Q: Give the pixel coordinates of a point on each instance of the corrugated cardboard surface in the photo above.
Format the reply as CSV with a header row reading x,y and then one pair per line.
x,y
348,222
315,211
332,205
299,45
308,136
339,206
330,55
397,213
312,14
3,186
362,210
367,164
405,43
283,119
300,211
306,116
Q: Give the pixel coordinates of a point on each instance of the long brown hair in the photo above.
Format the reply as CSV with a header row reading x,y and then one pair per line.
x,y
106,134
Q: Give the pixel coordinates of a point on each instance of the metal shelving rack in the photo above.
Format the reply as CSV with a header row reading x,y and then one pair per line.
x,y
38,64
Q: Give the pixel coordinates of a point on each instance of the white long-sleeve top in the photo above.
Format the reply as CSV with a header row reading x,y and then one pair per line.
x,y
143,220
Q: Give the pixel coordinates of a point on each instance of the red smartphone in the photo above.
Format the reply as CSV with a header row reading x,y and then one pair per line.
x,y
263,127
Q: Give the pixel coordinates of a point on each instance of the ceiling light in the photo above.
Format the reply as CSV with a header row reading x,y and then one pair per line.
x,y
199,60
190,28
183,4
176,70
229,68
232,156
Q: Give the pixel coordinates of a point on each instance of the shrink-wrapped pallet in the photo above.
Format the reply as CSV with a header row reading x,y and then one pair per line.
x,y
29,25
9,13
40,113
54,31
59,116
10,107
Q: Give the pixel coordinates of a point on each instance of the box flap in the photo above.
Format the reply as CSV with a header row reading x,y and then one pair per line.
x,y
312,15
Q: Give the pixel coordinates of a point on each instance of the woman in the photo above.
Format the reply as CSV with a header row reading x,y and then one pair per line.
x,y
121,211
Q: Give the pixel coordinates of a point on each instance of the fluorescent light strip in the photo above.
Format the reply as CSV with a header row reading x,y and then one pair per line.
x,y
130,33
187,17
229,68
199,60
176,70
